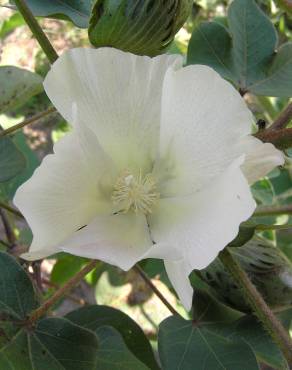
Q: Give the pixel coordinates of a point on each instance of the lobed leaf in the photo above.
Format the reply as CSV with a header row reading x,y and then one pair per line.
x,y
187,345
55,344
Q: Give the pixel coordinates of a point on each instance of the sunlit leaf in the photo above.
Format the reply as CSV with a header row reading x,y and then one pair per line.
x,y
65,268
17,86
9,25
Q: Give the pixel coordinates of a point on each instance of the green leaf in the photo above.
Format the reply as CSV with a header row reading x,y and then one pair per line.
x,y
113,354
8,189
187,345
9,25
251,330
211,45
207,309
54,344
245,53
263,191
94,317
246,233
77,11
4,363
254,40
277,80
12,161
17,296
17,86
65,268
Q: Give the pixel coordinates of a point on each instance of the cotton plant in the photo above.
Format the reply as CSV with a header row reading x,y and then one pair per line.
x,y
158,164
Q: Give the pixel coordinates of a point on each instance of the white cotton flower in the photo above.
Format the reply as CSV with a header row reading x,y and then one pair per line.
x,y
157,164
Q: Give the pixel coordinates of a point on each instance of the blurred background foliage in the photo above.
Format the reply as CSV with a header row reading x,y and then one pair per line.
x,y
267,257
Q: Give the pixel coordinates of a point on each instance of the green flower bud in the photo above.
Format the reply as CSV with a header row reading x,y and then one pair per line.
x,y
143,27
269,270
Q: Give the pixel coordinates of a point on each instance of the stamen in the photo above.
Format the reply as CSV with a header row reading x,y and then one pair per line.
x,y
136,193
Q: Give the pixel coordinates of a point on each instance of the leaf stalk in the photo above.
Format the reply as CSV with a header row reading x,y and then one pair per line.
x,y
36,30
258,305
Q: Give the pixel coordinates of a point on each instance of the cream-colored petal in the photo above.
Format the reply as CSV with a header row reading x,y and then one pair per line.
x,y
120,240
196,228
260,159
118,96
64,193
179,277
203,120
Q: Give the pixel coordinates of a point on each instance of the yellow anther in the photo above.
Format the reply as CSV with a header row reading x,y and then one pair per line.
x,y
136,193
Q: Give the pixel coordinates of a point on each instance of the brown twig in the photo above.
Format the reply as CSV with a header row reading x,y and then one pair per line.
x,y
138,269
28,121
37,276
8,229
47,305
18,250
283,119
282,138
72,297
277,133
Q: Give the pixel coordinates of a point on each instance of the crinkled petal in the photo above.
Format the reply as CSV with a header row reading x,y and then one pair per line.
x,y
203,120
260,159
196,228
118,96
119,239
65,192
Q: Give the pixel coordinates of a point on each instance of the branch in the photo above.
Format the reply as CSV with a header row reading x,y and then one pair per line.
x,y
10,209
36,30
259,306
273,210
8,229
283,119
138,269
28,121
282,138
47,305
72,297
277,133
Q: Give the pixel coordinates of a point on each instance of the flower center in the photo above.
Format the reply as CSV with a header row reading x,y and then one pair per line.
x,y
135,192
